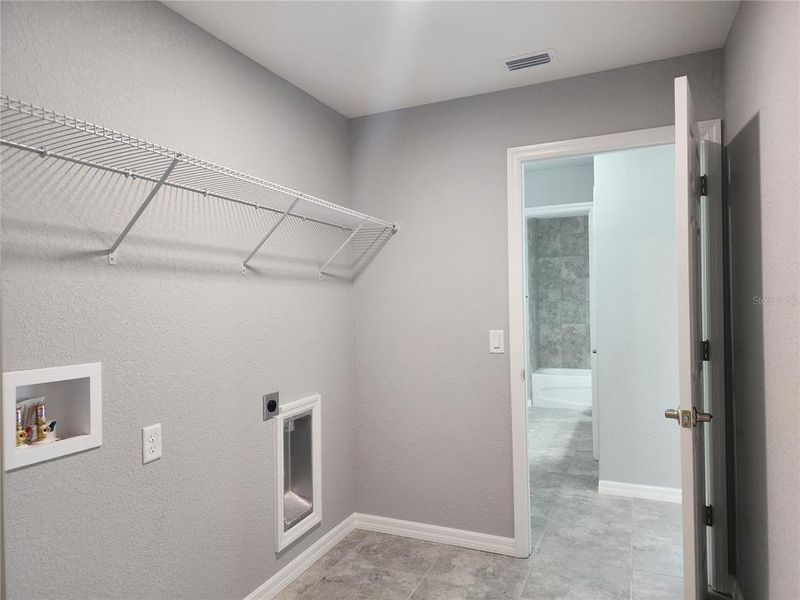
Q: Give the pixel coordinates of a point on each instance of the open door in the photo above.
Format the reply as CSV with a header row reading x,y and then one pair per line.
x,y
690,345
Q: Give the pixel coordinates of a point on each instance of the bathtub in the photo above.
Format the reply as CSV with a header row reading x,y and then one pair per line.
x,y
562,388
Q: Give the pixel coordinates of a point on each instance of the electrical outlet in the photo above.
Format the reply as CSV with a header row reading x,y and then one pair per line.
x,y
151,443
270,405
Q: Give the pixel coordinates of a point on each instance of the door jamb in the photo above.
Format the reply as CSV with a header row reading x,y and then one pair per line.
x,y
719,577
516,157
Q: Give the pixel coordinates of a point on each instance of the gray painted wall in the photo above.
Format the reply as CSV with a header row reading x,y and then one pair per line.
x,y
560,295
168,325
559,185
637,322
761,136
184,339
433,421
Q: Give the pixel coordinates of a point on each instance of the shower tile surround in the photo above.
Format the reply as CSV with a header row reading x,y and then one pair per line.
x,y
558,253
583,545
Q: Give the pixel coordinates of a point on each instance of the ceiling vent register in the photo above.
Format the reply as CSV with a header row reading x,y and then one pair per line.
x,y
536,59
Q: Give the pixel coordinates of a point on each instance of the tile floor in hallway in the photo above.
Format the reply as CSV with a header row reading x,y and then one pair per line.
x,y
585,546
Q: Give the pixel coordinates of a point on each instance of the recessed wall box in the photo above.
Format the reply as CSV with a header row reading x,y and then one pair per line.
x,y
298,479
73,399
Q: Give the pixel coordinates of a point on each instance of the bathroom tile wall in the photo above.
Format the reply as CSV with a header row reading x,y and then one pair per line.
x,y
560,292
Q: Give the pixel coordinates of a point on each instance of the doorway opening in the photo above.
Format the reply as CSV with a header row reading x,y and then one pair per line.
x,y
559,285
559,324
598,492
601,330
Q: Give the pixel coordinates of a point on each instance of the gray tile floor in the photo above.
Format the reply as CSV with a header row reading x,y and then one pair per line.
x,y
586,546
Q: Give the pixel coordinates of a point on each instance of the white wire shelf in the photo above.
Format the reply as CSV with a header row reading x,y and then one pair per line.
x,y
29,128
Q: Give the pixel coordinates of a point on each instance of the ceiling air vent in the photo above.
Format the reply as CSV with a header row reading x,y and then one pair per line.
x,y
517,63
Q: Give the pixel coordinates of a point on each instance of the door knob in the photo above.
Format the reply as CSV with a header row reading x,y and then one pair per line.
x,y
687,418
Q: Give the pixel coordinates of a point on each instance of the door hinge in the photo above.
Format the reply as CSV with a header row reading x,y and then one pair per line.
x,y
522,375
706,350
709,516
703,185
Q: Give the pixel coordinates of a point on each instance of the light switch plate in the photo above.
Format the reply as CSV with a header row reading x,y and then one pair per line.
x,y
497,343
151,443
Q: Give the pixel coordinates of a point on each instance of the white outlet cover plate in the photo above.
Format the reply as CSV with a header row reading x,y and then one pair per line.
x,y
151,443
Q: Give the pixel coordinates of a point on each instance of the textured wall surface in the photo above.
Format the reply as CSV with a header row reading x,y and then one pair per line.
x,y
637,315
184,339
762,66
561,292
433,420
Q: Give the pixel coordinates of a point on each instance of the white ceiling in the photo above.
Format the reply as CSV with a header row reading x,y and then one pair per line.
x,y
366,57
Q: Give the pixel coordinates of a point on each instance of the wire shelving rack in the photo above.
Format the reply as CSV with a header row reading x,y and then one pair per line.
x,y
30,128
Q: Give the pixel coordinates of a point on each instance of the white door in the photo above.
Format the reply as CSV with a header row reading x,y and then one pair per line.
x,y
690,354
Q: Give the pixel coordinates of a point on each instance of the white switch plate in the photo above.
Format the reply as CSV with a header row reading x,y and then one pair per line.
x,y
497,343
151,443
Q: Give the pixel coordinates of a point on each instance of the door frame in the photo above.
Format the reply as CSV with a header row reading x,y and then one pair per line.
x,y
516,157
712,255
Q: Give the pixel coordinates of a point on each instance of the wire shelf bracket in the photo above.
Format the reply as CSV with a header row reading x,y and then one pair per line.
x,y
268,234
112,252
340,248
29,128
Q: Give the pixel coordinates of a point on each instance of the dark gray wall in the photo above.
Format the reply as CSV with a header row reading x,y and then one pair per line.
x,y
433,421
184,339
762,100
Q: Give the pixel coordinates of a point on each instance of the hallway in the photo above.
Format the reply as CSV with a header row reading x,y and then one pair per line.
x,y
586,545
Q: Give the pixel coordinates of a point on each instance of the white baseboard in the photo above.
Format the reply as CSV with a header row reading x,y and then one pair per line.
x,y
435,533
276,584
645,492
420,531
